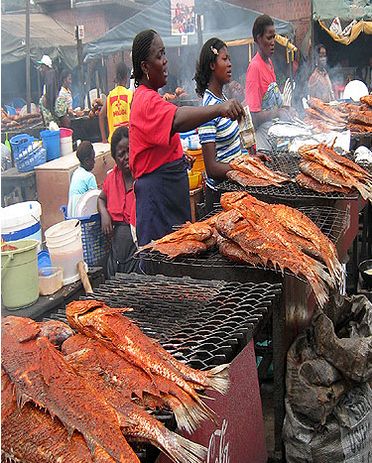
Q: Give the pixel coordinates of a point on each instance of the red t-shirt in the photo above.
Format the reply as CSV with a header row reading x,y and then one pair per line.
x,y
120,204
259,76
150,142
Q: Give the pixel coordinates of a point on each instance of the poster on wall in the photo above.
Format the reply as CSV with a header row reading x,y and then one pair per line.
x,y
183,18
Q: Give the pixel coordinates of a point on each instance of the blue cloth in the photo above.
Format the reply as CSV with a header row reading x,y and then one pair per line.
x,y
81,182
162,201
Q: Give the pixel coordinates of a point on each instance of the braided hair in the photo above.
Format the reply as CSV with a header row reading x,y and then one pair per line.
x,y
140,52
208,55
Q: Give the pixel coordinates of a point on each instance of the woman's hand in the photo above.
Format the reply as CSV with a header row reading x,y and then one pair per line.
x,y
263,157
232,109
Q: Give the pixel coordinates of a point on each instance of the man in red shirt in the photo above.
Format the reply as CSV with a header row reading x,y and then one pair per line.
x,y
116,204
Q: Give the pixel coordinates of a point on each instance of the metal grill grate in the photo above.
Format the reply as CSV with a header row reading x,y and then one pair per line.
x,y
332,222
287,163
203,323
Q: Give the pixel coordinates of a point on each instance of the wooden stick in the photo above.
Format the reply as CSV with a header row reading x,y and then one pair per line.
x,y
84,278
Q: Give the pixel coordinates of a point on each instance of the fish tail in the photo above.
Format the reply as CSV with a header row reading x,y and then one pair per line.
x,y
218,378
189,413
320,289
182,450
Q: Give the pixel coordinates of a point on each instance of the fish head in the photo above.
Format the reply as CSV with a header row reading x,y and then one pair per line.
x,y
56,331
20,329
85,315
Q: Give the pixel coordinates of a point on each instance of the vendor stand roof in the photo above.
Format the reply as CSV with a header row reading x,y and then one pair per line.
x,y
228,22
47,36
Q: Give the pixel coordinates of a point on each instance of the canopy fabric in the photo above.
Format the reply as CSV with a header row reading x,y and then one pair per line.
x,y
356,30
46,37
222,19
344,9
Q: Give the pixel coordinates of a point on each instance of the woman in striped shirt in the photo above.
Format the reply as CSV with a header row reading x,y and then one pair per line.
x,y
219,137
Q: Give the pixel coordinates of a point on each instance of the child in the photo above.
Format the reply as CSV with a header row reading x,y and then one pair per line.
x,y
116,204
82,179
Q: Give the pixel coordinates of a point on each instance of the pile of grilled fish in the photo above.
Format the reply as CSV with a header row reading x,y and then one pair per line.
x,y
325,171
79,398
251,171
269,235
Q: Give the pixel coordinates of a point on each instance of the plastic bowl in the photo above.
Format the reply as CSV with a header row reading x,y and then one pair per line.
x,y
194,180
50,280
365,269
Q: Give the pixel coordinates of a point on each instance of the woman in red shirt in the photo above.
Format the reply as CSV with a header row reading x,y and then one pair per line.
x,y
262,93
116,204
156,157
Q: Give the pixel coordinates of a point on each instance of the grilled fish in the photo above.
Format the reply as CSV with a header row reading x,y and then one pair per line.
x,y
42,376
30,435
97,320
270,247
312,184
254,167
134,421
249,180
132,382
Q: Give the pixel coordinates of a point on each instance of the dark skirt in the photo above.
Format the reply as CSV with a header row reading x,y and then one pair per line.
x,y
162,201
120,258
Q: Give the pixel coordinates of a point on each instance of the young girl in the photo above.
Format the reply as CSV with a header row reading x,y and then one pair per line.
x,y
116,204
82,179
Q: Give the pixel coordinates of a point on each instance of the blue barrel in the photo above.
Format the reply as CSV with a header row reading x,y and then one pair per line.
x,y
51,143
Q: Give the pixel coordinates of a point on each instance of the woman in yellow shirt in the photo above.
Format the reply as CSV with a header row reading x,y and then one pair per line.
x,y
116,108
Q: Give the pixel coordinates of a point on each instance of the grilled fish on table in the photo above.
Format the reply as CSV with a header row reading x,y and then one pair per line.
x,y
329,168
93,393
251,171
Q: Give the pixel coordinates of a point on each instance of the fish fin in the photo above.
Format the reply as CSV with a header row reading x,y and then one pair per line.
x,y
182,450
116,310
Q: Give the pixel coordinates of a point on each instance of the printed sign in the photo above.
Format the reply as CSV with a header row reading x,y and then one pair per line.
x,y
183,17
218,448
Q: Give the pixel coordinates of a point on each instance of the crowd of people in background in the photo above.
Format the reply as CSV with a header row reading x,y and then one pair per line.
x,y
147,192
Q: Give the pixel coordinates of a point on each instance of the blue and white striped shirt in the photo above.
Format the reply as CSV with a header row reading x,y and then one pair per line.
x,y
223,132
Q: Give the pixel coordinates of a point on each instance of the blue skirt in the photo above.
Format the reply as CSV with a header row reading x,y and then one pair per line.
x,y
162,201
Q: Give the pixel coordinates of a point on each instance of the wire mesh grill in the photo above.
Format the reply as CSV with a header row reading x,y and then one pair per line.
x,y
332,222
287,163
203,323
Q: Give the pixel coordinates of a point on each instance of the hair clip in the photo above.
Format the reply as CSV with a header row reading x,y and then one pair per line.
x,y
214,50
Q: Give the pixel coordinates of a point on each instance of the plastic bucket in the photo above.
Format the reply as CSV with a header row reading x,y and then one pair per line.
x,y
65,248
65,141
21,221
51,143
19,275
198,165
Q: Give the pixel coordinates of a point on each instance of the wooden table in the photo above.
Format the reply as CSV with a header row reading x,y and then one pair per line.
x,y
53,181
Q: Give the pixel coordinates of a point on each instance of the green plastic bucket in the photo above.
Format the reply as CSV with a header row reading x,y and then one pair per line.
x,y
19,275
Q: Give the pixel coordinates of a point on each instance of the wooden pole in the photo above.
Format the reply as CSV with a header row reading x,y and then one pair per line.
x,y
79,47
28,58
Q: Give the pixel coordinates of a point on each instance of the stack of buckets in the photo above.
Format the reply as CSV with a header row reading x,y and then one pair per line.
x,y
65,247
21,231
20,227
195,151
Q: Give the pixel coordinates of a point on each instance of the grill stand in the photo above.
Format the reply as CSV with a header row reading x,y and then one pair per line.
x,y
297,302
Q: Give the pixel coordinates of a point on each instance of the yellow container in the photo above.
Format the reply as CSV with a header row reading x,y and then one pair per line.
x,y
198,165
195,180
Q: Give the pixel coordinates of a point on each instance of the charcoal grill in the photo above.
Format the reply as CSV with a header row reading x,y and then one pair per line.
x,y
289,192
203,323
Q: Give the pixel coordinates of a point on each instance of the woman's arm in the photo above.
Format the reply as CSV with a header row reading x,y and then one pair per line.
x,y
215,169
106,222
101,119
189,117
